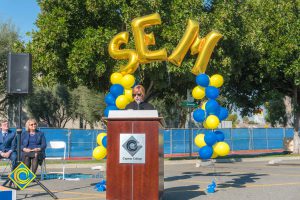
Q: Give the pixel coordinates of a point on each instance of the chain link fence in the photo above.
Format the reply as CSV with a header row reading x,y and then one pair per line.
x,y
80,142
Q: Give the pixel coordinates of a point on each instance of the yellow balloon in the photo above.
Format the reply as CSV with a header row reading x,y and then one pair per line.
x,y
99,152
199,140
221,148
214,155
100,136
205,125
203,105
116,78
123,54
205,49
184,44
128,94
122,101
198,92
138,25
216,80
212,122
127,81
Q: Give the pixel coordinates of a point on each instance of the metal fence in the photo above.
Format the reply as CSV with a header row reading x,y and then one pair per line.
x,y
80,143
180,141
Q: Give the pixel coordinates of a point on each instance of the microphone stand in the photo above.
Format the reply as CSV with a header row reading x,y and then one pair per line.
x,y
138,104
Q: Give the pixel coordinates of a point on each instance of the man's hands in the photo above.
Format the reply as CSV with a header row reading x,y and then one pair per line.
x,y
6,154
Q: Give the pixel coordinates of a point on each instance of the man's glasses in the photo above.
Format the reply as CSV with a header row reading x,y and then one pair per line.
x,y
138,94
32,124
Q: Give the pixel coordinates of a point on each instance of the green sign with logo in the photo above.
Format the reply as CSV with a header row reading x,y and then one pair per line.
x,y
22,176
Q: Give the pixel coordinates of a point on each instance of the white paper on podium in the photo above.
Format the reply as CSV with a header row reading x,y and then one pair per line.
x,y
133,114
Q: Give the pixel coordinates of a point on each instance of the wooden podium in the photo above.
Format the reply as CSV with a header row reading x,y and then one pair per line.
x,y
135,165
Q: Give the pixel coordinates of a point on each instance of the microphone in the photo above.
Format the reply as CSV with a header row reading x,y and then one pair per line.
x,y
138,101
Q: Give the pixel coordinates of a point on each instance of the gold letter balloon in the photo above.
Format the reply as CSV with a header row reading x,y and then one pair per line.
x,y
190,40
138,25
117,53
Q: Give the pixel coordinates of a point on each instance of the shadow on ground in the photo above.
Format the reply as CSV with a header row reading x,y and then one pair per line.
x,y
182,192
192,191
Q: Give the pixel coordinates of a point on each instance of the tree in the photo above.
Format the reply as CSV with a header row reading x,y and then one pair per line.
x,y
258,54
51,106
234,119
276,110
8,38
70,46
176,116
88,105
271,49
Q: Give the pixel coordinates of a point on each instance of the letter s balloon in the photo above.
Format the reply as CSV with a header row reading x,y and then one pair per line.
x,y
117,53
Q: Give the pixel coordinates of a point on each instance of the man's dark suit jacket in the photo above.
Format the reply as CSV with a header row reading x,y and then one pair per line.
x,y
7,144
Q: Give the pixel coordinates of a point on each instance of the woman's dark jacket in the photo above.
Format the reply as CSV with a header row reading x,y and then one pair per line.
x,y
41,141
142,106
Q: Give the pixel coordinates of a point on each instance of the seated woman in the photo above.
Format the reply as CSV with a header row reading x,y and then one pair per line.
x,y
33,145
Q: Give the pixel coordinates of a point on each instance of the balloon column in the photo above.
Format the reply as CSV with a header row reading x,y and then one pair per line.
x,y
100,151
212,143
120,93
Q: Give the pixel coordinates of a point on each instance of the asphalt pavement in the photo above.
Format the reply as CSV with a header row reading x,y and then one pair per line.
x,y
270,178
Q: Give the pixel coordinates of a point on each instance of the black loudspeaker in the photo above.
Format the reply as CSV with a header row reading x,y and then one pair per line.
x,y
19,80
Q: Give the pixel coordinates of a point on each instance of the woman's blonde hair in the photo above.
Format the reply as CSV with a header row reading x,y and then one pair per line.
x,y
139,89
29,121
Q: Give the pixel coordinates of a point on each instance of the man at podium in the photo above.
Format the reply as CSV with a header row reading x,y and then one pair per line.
x,y
138,94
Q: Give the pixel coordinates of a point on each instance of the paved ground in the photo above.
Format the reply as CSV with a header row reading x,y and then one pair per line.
x,y
249,179
241,180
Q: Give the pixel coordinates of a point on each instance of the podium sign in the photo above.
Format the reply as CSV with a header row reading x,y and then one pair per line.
x,y
132,148
135,164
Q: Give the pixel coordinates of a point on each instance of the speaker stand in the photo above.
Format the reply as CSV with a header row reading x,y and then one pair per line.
x,y
19,132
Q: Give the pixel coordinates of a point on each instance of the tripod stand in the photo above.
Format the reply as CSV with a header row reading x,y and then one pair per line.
x,y
19,132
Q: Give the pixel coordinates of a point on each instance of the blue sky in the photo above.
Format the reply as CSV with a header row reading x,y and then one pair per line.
x,y
22,13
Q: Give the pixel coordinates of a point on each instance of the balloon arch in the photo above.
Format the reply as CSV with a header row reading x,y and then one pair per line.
x,y
210,114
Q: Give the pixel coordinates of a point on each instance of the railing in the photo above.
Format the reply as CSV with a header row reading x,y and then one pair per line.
x,y
80,142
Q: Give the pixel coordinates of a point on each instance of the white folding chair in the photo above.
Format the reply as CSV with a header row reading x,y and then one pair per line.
x,y
58,145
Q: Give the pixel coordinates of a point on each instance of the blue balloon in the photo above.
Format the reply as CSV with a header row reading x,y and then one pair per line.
x,y
212,107
223,114
202,80
220,136
199,115
104,141
110,99
108,108
212,92
116,90
206,152
210,138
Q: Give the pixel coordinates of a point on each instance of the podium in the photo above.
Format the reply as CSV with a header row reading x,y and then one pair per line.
x,y
135,163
